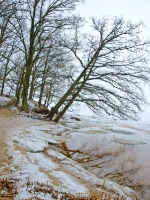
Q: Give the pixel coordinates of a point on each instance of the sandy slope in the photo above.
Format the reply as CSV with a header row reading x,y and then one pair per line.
x,y
5,159
18,160
9,123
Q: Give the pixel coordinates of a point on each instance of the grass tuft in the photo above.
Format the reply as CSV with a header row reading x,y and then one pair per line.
x,y
9,190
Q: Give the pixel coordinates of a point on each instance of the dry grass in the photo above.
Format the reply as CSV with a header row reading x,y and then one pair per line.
x,y
8,190
12,102
41,110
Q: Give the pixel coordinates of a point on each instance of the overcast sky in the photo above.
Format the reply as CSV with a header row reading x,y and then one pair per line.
x,y
133,10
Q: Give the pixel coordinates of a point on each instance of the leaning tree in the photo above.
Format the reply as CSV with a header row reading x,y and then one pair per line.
x,y
112,64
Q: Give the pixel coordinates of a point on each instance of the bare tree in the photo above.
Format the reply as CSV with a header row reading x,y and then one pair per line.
x,y
52,79
113,63
8,42
34,22
7,9
7,64
49,73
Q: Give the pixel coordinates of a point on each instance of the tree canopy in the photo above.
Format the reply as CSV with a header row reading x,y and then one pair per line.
x,y
114,64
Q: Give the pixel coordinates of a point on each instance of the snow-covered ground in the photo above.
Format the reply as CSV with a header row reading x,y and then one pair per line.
x,y
79,156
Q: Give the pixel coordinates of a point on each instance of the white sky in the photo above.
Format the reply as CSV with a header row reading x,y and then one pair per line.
x,y
133,10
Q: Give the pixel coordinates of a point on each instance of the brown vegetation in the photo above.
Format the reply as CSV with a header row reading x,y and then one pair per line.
x,y
8,190
41,110
12,102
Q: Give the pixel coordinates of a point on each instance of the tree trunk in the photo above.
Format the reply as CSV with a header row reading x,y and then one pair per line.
x,y
66,95
41,90
70,102
84,74
41,95
28,67
32,87
3,82
5,74
18,91
26,80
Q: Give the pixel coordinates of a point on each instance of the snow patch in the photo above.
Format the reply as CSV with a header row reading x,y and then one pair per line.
x,y
127,142
32,144
4,100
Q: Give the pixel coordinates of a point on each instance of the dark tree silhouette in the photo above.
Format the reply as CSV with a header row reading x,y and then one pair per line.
x,y
113,64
